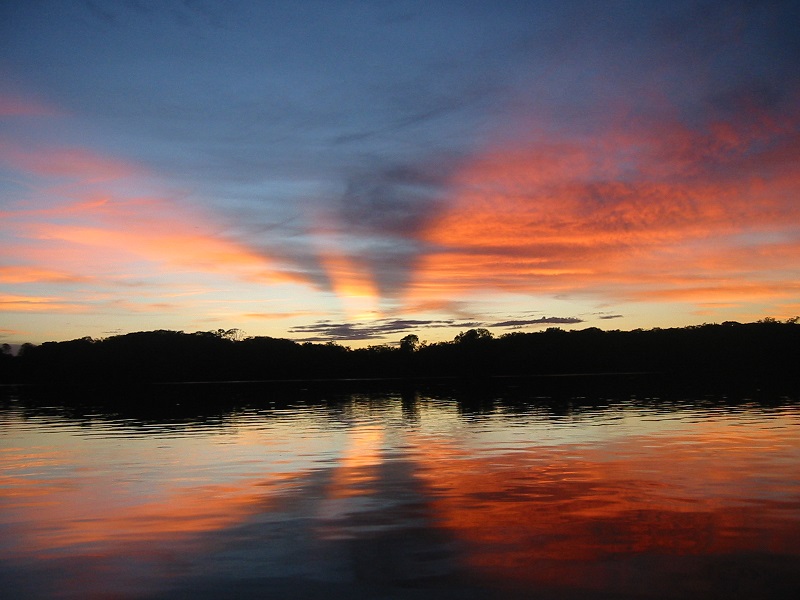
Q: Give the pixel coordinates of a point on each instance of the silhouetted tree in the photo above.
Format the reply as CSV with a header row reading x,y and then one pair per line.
x,y
410,343
472,336
765,350
7,360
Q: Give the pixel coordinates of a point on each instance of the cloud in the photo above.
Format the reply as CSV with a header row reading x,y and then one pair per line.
x,y
606,317
517,323
19,303
4,333
396,200
22,274
317,85
625,214
720,292
327,330
382,212
530,149
95,227
380,328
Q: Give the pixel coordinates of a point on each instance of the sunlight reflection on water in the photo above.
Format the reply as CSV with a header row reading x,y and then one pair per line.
x,y
401,495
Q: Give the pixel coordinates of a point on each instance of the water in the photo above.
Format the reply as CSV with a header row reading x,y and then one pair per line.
x,y
396,495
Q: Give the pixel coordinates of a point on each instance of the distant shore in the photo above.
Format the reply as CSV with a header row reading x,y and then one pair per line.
x,y
766,350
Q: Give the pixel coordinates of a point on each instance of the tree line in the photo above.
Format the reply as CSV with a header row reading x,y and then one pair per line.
x,y
768,349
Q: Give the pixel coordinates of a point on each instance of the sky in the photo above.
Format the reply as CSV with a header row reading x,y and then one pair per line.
x,y
360,171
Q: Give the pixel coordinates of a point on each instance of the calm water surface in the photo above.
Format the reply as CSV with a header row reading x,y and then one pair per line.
x,y
390,495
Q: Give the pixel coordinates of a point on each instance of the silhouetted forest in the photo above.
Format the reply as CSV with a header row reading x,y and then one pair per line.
x,y
764,350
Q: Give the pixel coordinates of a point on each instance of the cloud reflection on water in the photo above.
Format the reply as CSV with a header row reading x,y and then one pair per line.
x,y
409,496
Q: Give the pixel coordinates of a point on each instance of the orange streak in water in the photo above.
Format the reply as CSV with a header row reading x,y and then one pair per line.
x,y
545,519
178,514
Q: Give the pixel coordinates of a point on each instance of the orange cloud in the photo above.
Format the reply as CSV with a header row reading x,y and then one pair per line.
x,y
90,232
21,274
169,243
745,292
21,303
625,215
9,332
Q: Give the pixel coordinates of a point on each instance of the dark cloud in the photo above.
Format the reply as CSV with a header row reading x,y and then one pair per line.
x,y
387,208
395,200
611,316
327,330
343,331
516,323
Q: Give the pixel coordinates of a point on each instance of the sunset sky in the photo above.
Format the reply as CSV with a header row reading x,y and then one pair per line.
x,y
359,171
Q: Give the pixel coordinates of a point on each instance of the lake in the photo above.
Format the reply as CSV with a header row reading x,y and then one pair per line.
x,y
239,491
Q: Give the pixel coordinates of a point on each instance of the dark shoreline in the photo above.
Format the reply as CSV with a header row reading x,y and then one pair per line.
x,y
762,353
